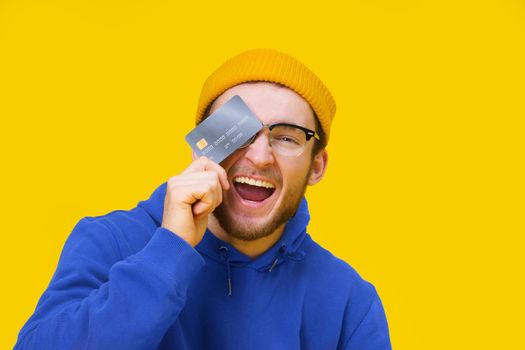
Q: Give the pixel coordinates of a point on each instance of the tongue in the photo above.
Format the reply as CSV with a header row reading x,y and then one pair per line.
x,y
253,193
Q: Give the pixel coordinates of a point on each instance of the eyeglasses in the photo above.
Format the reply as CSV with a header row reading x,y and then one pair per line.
x,y
287,140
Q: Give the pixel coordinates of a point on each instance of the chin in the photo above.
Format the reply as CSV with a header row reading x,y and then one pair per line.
x,y
249,226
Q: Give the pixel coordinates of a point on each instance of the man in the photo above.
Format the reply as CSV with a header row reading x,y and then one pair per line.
x,y
218,257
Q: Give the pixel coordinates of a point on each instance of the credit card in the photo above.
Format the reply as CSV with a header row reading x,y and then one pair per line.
x,y
224,131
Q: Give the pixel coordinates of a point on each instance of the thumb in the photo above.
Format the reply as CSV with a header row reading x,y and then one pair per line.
x,y
201,208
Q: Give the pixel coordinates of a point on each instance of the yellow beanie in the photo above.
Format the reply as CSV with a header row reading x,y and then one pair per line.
x,y
273,66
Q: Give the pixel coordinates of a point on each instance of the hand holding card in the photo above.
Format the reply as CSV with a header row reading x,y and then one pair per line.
x,y
191,196
197,191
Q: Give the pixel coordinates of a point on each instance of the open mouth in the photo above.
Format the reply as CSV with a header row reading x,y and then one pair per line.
x,y
253,190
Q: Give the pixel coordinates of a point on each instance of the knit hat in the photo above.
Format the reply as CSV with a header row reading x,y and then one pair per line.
x,y
272,66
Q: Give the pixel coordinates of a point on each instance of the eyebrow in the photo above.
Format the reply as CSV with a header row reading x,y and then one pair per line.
x,y
279,121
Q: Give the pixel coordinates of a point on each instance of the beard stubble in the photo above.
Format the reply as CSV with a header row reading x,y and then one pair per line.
x,y
245,231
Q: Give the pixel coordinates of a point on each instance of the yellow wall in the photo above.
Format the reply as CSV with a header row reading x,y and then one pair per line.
x,y
424,193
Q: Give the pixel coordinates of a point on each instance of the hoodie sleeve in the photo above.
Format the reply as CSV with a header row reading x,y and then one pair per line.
x,y
372,331
99,300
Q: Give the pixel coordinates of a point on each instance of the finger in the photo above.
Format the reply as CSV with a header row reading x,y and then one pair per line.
x,y
202,207
205,164
196,179
223,177
198,164
210,177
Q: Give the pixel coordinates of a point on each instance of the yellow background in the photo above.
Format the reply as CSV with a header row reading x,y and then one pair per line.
x,y
424,192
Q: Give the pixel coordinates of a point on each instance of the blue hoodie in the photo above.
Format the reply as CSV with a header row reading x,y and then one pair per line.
x,y
124,282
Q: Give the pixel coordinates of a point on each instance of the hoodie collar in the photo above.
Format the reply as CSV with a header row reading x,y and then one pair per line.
x,y
286,248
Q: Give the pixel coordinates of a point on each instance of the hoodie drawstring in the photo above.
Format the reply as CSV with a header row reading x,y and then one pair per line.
x,y
283,254
295,256
225,255
282,250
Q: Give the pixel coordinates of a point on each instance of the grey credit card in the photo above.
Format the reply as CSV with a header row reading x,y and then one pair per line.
x,y
224,131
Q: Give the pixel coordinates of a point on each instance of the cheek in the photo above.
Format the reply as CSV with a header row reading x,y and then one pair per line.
x,y
294,172
231,160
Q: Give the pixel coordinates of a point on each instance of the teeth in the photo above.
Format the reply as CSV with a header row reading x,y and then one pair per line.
x,y
253,182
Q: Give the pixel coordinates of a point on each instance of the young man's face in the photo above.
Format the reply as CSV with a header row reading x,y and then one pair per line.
x,y
247,212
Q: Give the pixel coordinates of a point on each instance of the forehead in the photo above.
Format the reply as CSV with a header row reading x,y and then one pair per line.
x,y
271,103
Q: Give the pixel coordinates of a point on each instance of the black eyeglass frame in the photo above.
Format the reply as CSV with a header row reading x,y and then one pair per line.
x,y
309,133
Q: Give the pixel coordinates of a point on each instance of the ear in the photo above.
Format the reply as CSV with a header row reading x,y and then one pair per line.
x,y
318,167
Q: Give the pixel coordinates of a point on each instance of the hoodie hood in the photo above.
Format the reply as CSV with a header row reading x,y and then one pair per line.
x,y
154,205
287,248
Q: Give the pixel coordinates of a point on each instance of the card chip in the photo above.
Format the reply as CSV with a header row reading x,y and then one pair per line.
x,y
201,144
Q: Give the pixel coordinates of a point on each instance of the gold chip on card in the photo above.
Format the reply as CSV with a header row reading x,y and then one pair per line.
x,y
201,144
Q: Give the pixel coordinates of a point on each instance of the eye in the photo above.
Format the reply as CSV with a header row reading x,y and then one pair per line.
x,y
287,136
287,139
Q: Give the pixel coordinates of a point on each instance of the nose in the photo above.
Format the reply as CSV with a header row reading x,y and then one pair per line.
x,y
260,152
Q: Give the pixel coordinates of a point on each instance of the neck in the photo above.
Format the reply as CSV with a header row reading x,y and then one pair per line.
x,y
251,249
